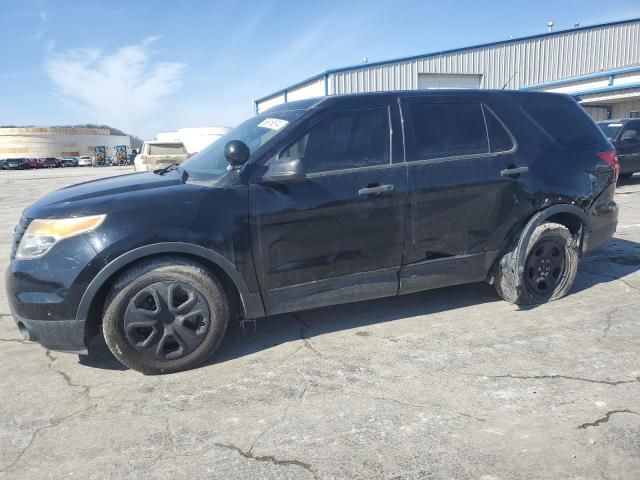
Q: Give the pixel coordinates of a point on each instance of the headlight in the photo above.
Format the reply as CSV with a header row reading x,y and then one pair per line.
x,y
43,234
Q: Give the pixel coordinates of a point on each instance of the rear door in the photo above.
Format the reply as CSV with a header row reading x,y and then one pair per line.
x,y
337,236
467,187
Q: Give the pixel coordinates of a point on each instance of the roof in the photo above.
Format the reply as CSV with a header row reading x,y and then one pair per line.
x,y
504,95
446,52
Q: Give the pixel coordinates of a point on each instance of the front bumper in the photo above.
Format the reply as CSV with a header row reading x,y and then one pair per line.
x,y
44,294
60,335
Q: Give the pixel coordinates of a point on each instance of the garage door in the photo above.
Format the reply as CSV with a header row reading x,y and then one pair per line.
x,y
427,81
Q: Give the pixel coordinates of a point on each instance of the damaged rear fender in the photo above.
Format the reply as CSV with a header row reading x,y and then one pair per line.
x,y
514,257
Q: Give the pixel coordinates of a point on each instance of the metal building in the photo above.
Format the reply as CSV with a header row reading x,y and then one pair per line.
x,y
37,142
599,63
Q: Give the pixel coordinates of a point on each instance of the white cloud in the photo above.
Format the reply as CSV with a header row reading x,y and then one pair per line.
x,y
123,88
36,36
44,16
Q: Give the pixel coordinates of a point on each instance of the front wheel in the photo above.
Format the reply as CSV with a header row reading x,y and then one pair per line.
x,y
550,268
165,315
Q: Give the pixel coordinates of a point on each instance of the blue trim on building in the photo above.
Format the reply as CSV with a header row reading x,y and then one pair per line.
x,y
446,52
606,89
590,76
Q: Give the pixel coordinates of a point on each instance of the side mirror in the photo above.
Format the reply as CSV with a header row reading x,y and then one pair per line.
x,y
236,152
284,170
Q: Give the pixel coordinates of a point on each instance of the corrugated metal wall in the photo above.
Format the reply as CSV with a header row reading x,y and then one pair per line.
x,y
314,88
529,61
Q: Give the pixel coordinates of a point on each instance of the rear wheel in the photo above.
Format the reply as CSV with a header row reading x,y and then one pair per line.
x,y
550,267
165,315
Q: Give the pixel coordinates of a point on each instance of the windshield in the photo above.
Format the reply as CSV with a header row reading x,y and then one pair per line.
x,y
255,132
610,129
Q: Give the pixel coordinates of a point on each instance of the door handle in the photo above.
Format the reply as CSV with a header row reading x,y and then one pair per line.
x,y
513,171
379,189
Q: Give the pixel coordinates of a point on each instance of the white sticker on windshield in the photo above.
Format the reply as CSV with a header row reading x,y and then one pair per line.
x,y
273,123
614,125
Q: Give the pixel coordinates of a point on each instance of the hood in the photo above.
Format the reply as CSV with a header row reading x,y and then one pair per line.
x,y
108,195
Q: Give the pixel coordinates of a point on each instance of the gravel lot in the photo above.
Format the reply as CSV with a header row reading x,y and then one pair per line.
x,y
452,383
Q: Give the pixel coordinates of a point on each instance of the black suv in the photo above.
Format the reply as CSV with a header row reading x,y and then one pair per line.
x,y
317,202
625,136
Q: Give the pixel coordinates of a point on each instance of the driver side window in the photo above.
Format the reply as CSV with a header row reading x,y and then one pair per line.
x,y
348,139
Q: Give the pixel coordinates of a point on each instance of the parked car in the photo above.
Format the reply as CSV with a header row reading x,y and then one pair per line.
x,y
16,164
312,203
48,162
68,162
2,167
84,161
32,162
156,154
625,136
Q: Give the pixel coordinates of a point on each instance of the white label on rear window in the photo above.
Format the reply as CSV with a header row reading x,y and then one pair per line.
x,y
273,123
614,125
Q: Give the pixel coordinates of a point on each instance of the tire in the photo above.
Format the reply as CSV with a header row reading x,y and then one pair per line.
x,y
165,315
541,282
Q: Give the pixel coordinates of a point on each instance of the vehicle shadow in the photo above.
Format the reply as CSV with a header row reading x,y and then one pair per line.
x,y
274,330
278,329
616,260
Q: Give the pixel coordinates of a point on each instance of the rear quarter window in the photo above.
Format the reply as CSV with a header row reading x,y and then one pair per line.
x,y
567,123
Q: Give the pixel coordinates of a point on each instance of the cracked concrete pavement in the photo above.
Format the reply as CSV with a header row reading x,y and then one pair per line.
x,y
452,383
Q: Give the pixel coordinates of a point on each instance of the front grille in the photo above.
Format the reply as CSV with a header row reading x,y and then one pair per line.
x,y
18,232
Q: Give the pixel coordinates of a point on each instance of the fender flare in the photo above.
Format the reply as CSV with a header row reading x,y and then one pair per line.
x,y
251,302
538,219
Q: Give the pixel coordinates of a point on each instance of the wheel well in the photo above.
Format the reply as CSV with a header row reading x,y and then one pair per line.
x,y
569,220
94,317
573,222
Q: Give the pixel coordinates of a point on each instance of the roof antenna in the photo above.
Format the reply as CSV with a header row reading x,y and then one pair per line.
x,y
550,25
509,81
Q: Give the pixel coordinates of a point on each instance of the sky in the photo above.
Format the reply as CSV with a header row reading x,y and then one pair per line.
x,y
150,66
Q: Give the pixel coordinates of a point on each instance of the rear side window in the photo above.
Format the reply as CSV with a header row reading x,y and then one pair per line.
x,y
349,139
166,149
448,130
566,122
499,138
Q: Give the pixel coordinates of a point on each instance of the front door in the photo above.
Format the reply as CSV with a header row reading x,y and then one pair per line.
x,y
336,236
